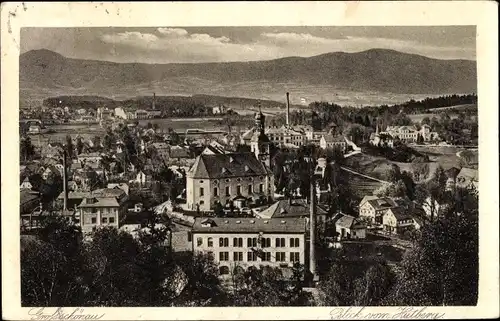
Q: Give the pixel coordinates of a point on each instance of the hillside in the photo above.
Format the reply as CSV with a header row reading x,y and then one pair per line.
x,y
375,70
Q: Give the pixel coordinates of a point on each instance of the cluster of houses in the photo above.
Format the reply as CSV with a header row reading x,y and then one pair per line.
x,y
229,208
407,134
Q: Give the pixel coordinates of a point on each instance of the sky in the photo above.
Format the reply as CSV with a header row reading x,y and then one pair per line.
x,y
223,44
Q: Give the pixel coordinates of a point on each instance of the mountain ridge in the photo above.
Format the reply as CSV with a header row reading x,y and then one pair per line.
x,y
379,70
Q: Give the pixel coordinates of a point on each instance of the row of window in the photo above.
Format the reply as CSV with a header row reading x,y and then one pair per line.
x,y
228,190
253,256
104,220
251,242
238,180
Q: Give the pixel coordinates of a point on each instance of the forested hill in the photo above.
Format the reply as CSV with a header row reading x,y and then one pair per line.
x,y
378,70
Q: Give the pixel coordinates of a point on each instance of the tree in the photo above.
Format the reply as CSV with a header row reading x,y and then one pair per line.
x,y
268,286
425,121
70,148
371,289
442,266
27,150
420,139
79,145
51,266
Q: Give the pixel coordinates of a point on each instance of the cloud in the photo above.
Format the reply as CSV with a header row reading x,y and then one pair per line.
x,y
174,32
290,37
131,38
178,45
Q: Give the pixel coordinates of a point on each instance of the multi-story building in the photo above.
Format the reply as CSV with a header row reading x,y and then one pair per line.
x,y
235,242
373,208
104,207
330,141
410,133
141,114
223,178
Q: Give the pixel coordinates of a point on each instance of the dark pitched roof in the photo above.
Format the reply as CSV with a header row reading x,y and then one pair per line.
x,y
382,203
298,208
245,225
348,221
400,214
227,165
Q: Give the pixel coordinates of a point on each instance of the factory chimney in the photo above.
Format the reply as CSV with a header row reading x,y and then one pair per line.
x,y
65,182
287,109
312,232
154,101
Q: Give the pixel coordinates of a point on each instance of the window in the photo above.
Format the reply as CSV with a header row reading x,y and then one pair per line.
x,y
266,242
252,242
250,189
280,242
294,257
93,220
227,191
266,256
202,202
294,242
238,256
202,191
223,270
223,256
238,190
190,237
216,191
238,242
261,188
251,256
93,210
223,242
280,257
210,242
105,220
199,241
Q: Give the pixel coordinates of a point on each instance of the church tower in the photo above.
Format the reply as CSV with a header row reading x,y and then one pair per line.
x,y
259,144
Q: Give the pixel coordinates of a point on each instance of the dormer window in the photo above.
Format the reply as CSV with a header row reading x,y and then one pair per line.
x,y
247,168
224,170
231,159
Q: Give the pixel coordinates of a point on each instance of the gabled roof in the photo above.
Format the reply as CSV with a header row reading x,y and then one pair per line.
x,y
246,225
297,208
227,165
382,203
100,202
348,221
399,214
334,139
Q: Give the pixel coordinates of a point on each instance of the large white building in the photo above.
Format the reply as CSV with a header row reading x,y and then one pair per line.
x,y
244,242
226,178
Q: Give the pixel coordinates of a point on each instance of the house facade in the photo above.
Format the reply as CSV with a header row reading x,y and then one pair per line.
x,y
104,207
349,228
221,178
235,242
372,208
396,221
330,141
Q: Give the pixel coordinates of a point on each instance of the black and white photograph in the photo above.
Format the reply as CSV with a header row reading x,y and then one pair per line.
x,y
249,166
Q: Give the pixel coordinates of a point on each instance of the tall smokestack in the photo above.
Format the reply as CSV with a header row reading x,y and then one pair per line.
x,y
287,109
312,232
65,182
154,101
